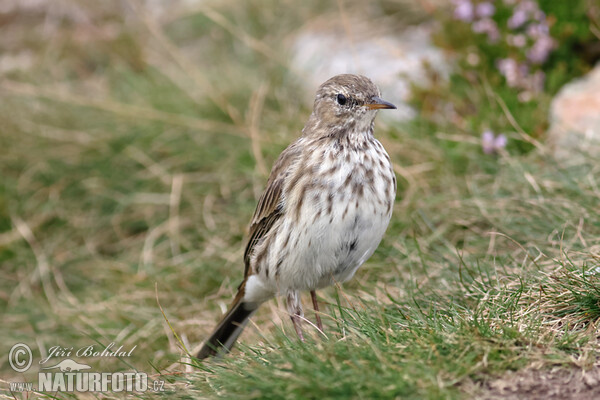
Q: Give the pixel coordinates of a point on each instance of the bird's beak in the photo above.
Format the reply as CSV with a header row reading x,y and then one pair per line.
x,y
377,103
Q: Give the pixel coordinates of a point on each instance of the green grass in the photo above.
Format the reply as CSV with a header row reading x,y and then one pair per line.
x,y
132,161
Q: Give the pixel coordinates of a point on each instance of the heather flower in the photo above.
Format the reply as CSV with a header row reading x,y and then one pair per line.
x,y
492,144
539,15
463,10
525,11
509,68
518,19
517,40
501,141
540,50
529,42
537,30
487,26
529,6
485,9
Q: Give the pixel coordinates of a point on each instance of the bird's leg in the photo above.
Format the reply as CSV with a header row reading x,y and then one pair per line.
x,y
294,307
313,296
296,320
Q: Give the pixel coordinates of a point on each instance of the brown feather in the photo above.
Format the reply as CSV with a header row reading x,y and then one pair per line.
x,y
270,206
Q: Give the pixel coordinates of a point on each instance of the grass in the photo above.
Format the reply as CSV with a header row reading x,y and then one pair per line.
x,y
133,153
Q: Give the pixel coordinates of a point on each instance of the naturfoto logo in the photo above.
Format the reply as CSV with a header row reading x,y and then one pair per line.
x,y
73,376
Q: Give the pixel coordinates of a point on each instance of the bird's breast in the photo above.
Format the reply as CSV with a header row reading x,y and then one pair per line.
x,y
335,216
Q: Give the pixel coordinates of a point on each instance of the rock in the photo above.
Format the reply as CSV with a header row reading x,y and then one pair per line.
x,y
575,118
392,60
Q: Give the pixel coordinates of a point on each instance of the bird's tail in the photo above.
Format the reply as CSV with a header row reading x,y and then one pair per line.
x,y
231,326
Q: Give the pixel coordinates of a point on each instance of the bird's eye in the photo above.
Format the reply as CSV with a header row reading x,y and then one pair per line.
x,y
341,99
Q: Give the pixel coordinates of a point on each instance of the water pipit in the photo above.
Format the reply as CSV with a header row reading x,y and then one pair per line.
x,y
326,207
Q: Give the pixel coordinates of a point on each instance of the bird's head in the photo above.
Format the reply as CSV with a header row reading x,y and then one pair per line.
x,y
348,102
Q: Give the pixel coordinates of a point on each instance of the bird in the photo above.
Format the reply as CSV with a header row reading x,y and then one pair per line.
x,y
326,206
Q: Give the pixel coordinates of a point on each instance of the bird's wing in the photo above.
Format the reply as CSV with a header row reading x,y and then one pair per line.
x,y
271,204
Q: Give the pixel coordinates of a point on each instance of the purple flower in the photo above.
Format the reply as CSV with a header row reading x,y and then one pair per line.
x,y
501,141
529,6
517,20
517,40
540,50
487,136
487,26
524,11
537,30
516,74
492,144
539,16
463,10
523,70
509,68
485,9
530,45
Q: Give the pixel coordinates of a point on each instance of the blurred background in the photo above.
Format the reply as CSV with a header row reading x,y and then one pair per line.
x,y
136,137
